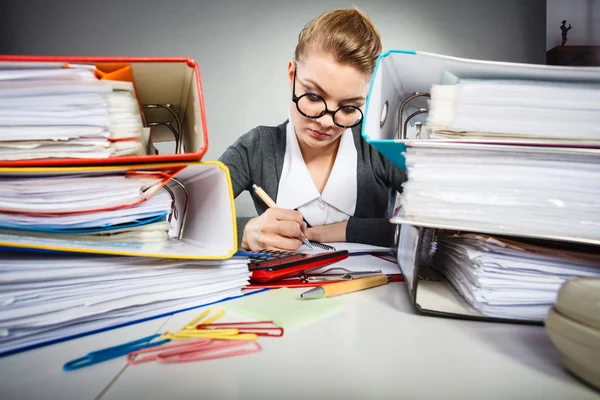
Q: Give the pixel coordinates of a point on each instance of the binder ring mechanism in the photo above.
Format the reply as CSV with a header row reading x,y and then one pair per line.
x,y
402,129
177,132
174,210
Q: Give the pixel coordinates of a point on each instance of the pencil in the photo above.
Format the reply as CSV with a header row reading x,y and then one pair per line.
x,y
269,202
353,285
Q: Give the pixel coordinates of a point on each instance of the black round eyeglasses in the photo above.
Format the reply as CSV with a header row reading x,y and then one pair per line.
x,y
313,106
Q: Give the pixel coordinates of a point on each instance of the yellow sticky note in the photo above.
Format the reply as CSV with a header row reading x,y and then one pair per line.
x,y
284,307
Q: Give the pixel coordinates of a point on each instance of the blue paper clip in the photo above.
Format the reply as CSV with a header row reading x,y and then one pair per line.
x,y
109,353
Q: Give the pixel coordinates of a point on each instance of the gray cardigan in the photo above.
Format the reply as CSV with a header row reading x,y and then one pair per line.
x,y
257,158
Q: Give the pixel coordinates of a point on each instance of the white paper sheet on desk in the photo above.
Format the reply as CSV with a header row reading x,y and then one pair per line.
x,y
108,319
76,294
27,337
73,309
19,262
352,248
89,293
360,263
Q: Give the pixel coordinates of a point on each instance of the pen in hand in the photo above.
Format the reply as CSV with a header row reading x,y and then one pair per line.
x,y
269,202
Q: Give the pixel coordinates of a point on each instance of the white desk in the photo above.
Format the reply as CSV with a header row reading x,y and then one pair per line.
x,y
38,374
376,349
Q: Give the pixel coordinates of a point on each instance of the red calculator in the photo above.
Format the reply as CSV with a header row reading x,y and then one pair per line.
x,y
271,265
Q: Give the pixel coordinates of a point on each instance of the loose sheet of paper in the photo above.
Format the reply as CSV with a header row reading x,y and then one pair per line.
x,y
284,307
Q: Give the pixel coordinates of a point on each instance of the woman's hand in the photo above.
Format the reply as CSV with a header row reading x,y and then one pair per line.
x,y
328,233
275,229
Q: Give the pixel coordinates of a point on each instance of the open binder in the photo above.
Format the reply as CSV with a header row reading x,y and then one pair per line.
x,y
403,78
169,91
429,290
202,219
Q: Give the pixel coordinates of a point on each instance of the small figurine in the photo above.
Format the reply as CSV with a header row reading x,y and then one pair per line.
x,y
564,29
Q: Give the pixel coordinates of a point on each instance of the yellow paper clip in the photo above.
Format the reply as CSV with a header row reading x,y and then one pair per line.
x,y
220,334
204,318
191,332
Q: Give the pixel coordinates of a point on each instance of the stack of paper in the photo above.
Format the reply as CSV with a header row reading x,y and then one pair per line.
x,y
102,207
48,297
515,110
509,279
67,113
541,191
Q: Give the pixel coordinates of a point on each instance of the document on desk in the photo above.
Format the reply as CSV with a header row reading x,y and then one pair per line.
x,y
49,297
353,248
360,263
507,278
284,307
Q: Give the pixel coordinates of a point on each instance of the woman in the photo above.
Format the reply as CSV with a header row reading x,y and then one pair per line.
x,y
326,180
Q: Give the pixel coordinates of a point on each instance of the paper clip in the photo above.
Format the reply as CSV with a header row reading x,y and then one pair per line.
x,y
246,328
221,334
133,357
343,275
109,353
189,331
204,318
216,349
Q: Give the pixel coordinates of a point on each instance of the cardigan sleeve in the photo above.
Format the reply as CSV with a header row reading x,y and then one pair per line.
x,y
238,158
378,231
395,176
373,231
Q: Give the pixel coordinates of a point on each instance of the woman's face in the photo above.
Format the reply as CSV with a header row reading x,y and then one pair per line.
x,y
339,85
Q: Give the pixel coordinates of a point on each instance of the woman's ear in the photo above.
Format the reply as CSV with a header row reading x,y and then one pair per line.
x,y
291,68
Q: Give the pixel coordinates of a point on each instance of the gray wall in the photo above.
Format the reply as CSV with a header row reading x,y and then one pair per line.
x,y
243,47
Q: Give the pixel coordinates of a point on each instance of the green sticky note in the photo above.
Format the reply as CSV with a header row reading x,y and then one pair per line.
x,y
284,307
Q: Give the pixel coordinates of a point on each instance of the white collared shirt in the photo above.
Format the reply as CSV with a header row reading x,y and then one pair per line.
x,y
298,191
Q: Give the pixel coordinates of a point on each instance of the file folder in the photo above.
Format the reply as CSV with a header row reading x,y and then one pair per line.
x,y
169,91
206,230
429,291
399,74
432,293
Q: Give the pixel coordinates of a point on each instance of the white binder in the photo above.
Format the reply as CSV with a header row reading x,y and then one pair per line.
x,y
399,74
210,231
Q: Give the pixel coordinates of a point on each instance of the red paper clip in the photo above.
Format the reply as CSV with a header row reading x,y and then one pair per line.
x,y
196,345
216,349
245,327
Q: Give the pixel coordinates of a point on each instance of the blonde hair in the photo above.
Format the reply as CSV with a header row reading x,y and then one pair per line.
x,y
348,34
